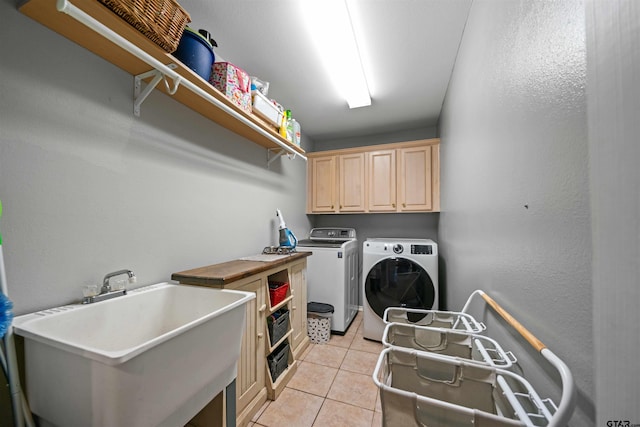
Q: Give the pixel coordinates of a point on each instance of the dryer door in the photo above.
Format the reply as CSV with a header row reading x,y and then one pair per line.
x,y
399,282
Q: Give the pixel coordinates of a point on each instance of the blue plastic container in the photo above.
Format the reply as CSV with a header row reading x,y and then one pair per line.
x,y
195,52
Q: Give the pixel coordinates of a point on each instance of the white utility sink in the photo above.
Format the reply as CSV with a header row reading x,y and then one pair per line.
x,y
153,357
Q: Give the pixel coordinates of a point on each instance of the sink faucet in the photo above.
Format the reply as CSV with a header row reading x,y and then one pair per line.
x,y
106,292
106,287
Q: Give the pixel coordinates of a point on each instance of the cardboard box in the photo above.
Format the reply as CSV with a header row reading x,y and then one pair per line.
x,y
233,82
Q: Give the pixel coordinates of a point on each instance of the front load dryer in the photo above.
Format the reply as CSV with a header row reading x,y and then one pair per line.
x,y
397,273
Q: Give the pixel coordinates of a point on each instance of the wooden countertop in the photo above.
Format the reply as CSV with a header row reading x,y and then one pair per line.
x,y
230,271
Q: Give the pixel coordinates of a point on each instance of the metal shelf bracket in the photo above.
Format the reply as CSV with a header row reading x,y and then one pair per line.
x,y
139,94
274,153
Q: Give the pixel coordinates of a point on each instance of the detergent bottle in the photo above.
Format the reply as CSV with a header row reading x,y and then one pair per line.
x,y
289,134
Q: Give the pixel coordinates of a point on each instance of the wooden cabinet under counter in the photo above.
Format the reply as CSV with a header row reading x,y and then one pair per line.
x,y
254,383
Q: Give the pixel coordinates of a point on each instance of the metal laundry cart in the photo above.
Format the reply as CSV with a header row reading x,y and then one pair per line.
x,y
425,380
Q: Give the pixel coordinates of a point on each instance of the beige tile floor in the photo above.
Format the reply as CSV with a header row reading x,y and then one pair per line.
x,y
331,388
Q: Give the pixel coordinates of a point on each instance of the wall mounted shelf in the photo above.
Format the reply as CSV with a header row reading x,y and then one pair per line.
x,y
91,25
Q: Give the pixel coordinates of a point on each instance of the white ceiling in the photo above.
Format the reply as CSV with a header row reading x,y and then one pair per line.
x,y
408,51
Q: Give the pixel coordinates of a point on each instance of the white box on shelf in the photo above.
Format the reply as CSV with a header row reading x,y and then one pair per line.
x,y
266,109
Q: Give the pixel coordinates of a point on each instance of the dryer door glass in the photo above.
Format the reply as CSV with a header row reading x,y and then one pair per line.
x,y
399,282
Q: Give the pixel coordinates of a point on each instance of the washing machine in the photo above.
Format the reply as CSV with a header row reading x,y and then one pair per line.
x,y
397,273
333,273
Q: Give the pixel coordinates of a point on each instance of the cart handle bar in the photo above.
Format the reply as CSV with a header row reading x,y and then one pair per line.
x,y
535,342
569,392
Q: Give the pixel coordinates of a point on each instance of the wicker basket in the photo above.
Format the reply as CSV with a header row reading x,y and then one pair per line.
x,y
162,21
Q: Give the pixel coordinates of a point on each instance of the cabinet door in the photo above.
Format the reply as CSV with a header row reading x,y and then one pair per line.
x,y
351,182
322,184
415,187
382,180
297,281
251,373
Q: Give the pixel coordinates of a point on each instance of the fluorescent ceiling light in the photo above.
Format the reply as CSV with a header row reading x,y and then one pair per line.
x,y
330,26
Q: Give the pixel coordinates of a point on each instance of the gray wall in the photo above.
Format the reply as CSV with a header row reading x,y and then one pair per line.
x,y
613,52
396,135
88,188
515,216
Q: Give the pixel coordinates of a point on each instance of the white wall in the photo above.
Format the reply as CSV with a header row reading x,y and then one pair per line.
x,y
515,217
613,53
88,188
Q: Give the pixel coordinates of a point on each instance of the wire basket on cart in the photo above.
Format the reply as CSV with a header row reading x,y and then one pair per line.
x,y
423,389
434,319
473,347
437,371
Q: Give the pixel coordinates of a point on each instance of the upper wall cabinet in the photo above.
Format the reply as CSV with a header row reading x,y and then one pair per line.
x,y
382,176
401,177
351,182
321,172
93,26
418,178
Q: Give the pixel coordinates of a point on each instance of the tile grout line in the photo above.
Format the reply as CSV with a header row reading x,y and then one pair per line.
x,y
338,369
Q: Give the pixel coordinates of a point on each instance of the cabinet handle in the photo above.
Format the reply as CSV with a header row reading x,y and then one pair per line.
x,y
393,205
331,206
260,335
340,206
294,308
263,308
404,205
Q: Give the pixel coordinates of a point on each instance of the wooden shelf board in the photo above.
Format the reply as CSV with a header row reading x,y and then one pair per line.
x,y
45,12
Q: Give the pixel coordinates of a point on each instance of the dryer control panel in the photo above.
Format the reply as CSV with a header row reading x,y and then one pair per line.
x,y
401,247
422,249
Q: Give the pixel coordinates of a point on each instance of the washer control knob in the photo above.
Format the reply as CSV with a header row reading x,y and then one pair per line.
x,y
397,248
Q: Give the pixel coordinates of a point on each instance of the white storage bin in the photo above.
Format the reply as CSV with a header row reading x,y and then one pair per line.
x,y
266,109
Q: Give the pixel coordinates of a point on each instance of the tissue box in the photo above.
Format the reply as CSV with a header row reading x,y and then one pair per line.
x,y
266,109
233,82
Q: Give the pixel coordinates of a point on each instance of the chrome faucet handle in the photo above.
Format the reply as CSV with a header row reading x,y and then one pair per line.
x,y
106,287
